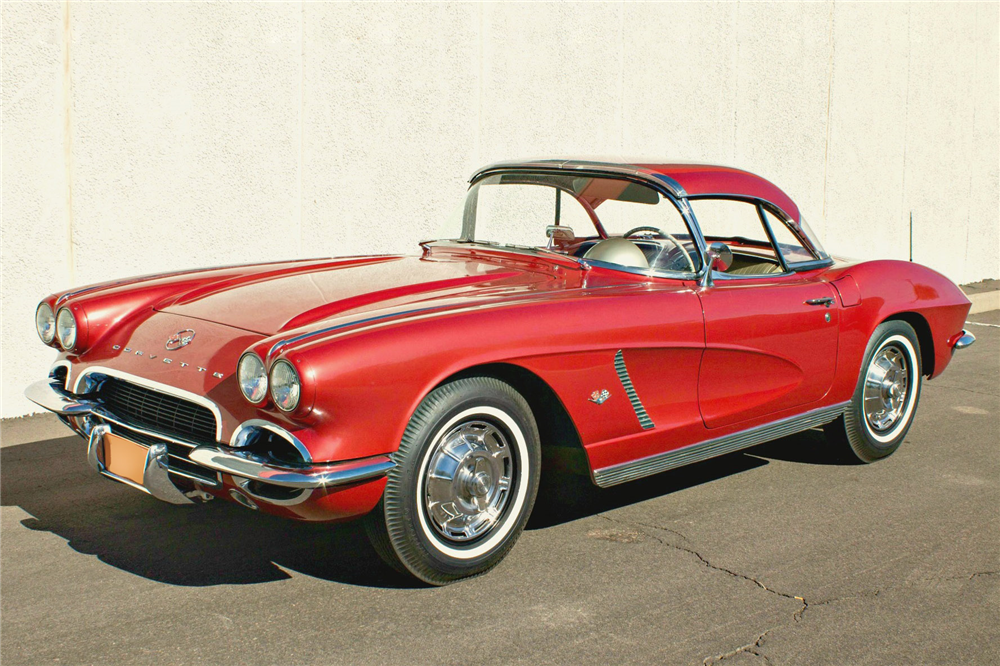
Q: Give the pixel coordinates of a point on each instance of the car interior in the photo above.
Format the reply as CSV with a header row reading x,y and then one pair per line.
x,y
635,226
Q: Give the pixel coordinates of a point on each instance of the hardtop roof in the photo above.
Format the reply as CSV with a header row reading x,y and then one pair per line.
x,y
683,179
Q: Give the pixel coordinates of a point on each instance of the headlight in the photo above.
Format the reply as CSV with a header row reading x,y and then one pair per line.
x,y
252,377
66,329
285,386
45,323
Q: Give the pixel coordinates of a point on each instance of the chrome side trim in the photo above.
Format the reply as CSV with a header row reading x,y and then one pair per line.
x,y
633,397
156,386
661,462
311,334
260,424
249,466
966,340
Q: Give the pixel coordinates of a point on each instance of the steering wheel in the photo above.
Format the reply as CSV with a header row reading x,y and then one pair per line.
x,y
663,234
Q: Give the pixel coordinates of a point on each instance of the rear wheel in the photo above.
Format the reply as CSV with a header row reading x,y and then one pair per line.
x,y
464,484
885,399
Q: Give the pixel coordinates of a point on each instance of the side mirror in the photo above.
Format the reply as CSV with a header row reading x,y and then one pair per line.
x,y
558,234
720,257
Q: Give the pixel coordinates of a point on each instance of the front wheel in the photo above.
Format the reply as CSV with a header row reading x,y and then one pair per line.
x,y
464,484
885,399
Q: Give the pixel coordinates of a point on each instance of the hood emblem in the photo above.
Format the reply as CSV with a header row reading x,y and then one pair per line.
x,y
598,397
180,339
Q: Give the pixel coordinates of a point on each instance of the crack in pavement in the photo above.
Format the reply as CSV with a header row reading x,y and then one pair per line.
x,y
749,648
983,573
754,647
974,574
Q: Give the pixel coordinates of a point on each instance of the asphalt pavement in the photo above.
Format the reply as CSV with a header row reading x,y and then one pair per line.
x,y
783,554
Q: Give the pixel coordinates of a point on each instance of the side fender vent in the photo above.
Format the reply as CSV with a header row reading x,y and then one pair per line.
x,y
633,397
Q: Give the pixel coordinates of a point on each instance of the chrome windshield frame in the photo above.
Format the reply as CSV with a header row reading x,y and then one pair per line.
x,y
654,181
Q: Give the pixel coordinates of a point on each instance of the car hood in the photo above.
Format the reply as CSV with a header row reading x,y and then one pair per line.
x,y
279,301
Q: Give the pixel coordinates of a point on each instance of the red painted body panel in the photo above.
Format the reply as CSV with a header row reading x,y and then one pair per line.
x,y
371,336
758,359
698,179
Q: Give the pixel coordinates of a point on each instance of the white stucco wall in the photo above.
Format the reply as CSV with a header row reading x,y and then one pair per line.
x,y
141,137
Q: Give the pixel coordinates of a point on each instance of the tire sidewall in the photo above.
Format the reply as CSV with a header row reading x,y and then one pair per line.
x,y
867,442
421,550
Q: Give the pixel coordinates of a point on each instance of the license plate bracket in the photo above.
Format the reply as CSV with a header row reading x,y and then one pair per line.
x,y
124,458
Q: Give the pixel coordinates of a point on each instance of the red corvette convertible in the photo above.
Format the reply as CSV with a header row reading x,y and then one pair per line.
x,y
646,315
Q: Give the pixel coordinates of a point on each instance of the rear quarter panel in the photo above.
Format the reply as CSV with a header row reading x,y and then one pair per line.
x,y
892,289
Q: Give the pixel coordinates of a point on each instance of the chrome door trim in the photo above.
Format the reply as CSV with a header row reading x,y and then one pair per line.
x,y
661,462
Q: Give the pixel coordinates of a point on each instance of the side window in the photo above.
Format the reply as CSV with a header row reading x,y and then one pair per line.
x,y
791,247
738,225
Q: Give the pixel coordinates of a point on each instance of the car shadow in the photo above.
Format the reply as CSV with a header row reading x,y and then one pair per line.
x,y
221,543
810,447
218,543
565,496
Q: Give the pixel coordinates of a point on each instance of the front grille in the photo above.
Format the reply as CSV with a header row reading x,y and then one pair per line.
x,y
157,411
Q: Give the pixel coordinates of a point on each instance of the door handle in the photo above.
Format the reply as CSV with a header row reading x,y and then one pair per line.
x,y
827,301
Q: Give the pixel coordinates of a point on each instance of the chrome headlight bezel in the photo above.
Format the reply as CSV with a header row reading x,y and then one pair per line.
x,y
68,340
45,310
260,375
285,386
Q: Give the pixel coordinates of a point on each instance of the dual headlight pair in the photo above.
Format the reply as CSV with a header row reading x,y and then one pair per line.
x,y
61,327
283,381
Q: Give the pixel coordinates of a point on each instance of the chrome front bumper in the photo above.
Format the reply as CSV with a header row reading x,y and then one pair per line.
x,y
155,473
249,466
242,464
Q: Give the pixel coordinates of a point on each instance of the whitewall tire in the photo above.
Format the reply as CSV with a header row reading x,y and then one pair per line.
x,y
464,484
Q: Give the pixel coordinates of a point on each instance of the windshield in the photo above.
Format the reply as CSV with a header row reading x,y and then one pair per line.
x,y
613,221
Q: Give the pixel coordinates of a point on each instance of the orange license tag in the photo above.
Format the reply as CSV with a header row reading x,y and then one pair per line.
x,y
124,458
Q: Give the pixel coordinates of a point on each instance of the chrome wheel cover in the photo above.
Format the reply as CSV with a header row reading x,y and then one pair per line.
x,y
468,479
887,388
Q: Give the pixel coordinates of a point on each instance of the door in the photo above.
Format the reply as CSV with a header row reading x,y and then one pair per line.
x,y
771,345
770,333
